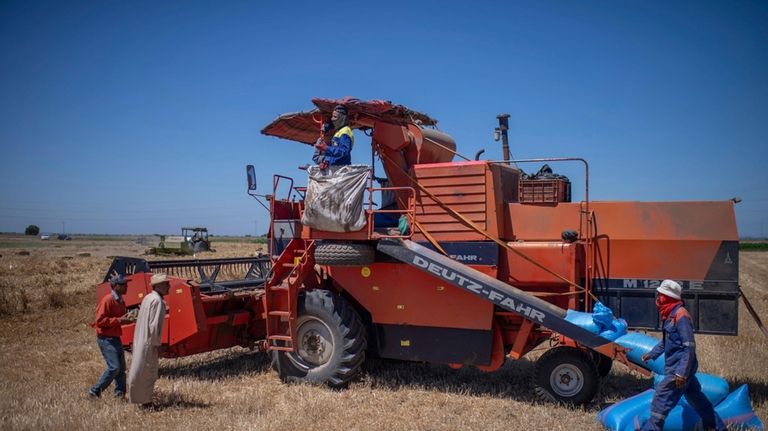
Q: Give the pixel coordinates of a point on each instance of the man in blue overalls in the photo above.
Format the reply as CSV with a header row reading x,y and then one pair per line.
x,y
680,363
339,151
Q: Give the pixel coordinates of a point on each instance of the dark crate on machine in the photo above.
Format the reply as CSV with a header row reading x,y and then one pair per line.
x,y
544,191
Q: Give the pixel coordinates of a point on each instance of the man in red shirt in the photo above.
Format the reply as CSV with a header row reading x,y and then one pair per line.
x,y
110,315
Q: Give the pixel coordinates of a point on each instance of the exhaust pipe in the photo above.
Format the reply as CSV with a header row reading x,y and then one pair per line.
x,y
501,131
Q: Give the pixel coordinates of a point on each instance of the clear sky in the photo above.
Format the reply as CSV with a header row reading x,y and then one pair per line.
x,y
139,117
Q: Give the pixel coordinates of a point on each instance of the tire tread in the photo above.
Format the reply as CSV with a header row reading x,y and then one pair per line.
x,y
344,254
353,341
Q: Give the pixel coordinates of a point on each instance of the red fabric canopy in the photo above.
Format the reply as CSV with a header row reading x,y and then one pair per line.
x,y
305,126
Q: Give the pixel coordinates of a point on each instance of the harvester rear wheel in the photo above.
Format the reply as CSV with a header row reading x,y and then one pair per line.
x,y
344,254
331,342
566,375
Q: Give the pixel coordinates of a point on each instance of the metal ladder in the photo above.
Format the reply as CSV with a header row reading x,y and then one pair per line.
x,y
289,271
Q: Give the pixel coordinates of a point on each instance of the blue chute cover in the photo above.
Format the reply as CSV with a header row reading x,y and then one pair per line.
x,y
736,409
618,416
640,344
714,388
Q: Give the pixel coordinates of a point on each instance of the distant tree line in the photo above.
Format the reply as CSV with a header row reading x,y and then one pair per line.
x,y
753,246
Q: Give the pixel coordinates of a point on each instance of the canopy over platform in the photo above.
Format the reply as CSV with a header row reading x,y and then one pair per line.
x,y
305,126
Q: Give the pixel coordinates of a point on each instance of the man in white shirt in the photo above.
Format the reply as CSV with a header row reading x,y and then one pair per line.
x,y
147,338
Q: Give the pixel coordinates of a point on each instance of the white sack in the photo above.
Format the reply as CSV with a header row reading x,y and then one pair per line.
x,y
334,199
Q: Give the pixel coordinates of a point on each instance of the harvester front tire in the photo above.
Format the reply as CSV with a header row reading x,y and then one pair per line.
x,y
344,254
566,375
331,342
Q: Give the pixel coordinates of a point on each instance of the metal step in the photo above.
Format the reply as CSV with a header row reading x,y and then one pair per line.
x,y
278,288
273,339
279,313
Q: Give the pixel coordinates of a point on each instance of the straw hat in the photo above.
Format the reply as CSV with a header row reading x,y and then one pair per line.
x,y
159,278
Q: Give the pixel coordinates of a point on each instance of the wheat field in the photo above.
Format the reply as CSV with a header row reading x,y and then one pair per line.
x,y
49,358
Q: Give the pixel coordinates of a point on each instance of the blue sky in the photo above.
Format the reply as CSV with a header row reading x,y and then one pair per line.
x,y
139,117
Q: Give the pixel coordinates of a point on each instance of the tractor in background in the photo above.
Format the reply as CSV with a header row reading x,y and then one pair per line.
x,y
192,240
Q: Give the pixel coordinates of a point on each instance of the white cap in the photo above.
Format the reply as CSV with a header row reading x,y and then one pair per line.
x,y
670,288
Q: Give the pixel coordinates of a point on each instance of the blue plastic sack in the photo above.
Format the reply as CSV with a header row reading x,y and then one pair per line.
x,y
618,329
619,415
714,388
682,417
585,320
602,316
632,413
600,321
737,410
640,344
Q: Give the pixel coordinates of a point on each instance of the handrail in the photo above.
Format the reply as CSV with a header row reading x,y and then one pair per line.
x,y
275,182
370,211
409,212
586,218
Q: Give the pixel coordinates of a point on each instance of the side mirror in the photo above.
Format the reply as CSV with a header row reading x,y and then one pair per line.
x,y
251,173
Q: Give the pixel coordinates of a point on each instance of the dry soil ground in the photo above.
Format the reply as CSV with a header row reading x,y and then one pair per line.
x,y
49,357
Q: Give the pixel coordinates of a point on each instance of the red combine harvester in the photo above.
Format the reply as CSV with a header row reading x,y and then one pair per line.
x,y
484,270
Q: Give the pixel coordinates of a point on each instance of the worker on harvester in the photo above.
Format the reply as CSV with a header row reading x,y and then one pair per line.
x,y
679,349
339,151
